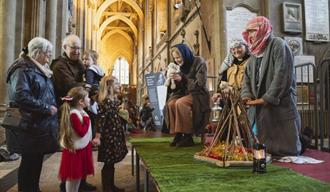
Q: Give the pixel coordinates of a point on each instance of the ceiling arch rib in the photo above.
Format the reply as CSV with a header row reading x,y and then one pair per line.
x,y
114,18
122,53
119,53
121,32
107,3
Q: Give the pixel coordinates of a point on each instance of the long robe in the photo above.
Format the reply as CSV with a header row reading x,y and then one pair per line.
x,y
278,121
194,83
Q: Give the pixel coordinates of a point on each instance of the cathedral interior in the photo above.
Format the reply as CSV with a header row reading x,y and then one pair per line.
x,y
134,37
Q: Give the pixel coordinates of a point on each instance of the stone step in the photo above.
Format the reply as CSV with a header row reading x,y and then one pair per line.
x,y
8,174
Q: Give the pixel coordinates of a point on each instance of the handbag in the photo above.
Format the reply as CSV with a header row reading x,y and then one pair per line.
x,y
12,119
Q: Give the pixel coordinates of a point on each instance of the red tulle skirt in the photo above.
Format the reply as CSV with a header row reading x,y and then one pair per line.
x,y
76,165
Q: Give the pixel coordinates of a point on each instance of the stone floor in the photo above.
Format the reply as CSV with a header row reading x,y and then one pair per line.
x,y
50,183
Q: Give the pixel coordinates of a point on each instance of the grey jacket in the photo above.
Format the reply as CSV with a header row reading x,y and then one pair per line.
x,y
278,121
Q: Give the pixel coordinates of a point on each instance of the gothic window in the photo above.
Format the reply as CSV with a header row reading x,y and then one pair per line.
x,y
121,71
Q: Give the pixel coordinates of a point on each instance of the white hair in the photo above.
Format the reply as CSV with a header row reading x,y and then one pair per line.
x,y
39,44
68,39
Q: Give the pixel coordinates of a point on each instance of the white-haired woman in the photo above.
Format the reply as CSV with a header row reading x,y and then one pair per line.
x,y
31,90
232,68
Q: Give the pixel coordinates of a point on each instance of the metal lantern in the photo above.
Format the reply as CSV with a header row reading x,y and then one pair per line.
x,y
216,112
259,158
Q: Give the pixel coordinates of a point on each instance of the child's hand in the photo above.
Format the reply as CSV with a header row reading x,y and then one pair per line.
x,y
96,141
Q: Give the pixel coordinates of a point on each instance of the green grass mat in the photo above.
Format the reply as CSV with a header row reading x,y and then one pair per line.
x,y
175,169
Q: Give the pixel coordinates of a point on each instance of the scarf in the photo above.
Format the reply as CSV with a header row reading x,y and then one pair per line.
x,y
187,57
43,68
263,29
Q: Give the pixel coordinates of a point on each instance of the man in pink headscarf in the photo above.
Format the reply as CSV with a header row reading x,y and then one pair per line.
x,y
269,89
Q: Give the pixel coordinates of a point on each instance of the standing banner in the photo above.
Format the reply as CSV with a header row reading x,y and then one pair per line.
x,y
157,96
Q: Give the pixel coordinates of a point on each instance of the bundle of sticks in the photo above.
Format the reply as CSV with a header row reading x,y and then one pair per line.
x,y
233,139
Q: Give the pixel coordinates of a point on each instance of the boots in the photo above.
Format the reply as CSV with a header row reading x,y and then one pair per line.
x,y
186,141
108,179
177,139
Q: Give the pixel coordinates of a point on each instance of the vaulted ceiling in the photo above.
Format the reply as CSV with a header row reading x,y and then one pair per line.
x,y
116,24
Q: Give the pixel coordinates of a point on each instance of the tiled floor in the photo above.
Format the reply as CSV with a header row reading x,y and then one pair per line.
x,y
50,183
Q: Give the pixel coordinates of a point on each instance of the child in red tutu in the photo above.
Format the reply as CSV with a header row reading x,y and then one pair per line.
x,y
75,138
110,132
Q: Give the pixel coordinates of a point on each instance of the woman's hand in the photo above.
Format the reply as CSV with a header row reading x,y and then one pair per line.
x,y
216,97
177,77
255,102
53,110
226,91
245,100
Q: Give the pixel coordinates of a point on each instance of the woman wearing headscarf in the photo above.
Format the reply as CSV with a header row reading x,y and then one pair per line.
x,y
232,68
31,90
270,89
187,109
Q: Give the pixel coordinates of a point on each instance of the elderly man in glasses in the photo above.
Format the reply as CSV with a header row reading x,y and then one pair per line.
x,y
68,68
68,72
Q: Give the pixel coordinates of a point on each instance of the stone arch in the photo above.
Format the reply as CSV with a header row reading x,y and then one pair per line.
x,y
121,32
115,55
107,3
114,18
123,53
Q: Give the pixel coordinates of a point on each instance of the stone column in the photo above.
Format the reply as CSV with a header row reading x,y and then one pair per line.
x,y
19,27
51,23
7,43
41,16
81,21
7,48
94,31
88,25
62,24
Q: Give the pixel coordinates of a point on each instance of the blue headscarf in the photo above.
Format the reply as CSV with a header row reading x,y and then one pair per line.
x,y
187,57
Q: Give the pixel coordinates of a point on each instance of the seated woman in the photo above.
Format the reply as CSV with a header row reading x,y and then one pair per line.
x,y
187,109
232,68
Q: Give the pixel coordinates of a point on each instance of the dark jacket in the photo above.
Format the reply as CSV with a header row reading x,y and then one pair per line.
x,y
94,75
33,93
67,74
197,87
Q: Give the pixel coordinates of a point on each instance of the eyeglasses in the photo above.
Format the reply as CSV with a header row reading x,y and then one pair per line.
x,y
74,47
